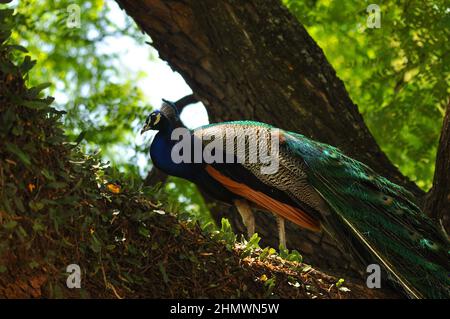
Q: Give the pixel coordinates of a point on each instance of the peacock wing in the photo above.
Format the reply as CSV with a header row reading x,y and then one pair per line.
x,y
285,191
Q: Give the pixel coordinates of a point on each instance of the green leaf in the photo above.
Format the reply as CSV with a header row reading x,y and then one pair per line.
x,y
34,91
8,120
36,205
144,231
38,227
295,256
57,185
95,245
27,64
10,225
268,251
254,241
36,104
48,175
19,204
17,47
13,148
339,282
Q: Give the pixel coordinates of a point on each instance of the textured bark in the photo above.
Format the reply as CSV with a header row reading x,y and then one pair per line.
x,y
437,203
254,60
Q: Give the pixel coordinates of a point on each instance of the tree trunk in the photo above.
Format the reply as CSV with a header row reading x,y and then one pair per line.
x,y
254,60
437,203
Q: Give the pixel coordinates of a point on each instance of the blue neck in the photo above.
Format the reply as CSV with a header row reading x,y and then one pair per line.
x,y
160,152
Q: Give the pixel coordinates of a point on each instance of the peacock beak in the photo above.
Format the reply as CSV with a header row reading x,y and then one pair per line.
x,y
145,129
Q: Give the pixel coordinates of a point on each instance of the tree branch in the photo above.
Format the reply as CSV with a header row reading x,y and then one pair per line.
x,y
185,101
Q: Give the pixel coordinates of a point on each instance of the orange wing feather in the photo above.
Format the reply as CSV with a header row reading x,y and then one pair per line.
x,y
288,212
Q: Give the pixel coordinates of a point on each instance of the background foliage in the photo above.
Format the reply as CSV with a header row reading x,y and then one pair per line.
x,y
397,74
104,107
91,85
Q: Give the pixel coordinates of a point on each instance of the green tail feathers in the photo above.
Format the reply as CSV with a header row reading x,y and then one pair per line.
x,y
382,216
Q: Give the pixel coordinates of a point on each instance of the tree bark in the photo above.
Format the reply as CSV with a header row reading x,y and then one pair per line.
x,y
437,203
254,60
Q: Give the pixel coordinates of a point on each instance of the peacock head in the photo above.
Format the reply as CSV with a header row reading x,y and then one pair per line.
x,y
162,119
155,121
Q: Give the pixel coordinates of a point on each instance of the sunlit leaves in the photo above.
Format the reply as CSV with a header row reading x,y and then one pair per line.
x,y
21,155
99,95
397,74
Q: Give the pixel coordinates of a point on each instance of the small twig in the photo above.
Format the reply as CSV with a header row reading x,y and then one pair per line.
x,y
109,285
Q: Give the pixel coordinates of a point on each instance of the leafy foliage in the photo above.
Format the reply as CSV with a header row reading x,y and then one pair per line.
x,y
98,94
59,206
104,108
187,202
398,74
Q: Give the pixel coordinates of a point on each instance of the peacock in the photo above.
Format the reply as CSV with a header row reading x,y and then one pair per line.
x,y
316,187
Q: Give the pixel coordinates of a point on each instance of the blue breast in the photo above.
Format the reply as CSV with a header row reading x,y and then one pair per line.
x,y
160,151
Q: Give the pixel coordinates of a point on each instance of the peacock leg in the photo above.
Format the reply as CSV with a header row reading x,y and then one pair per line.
x,y
281,231
246,213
